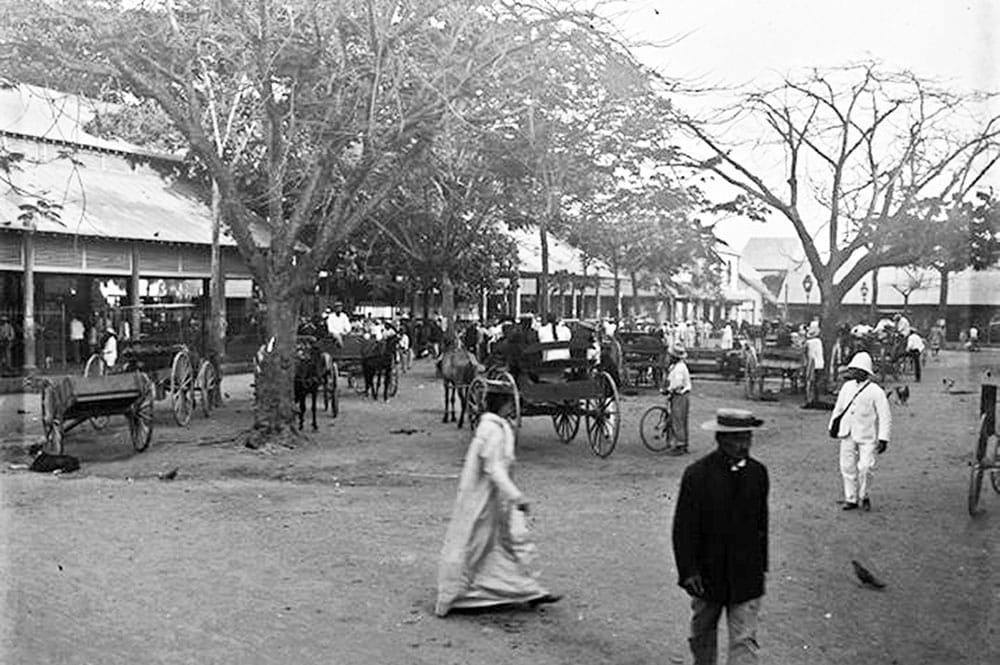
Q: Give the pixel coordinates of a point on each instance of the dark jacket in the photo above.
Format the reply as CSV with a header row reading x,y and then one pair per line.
x,y
720,528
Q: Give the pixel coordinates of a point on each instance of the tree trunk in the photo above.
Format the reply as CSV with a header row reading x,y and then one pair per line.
x,y
543,278
618,292
425,301
943,294
216,287
275,409
634,306
874,306
448,302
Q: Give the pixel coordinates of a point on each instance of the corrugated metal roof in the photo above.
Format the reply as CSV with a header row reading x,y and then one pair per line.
x,y
103,196
41,113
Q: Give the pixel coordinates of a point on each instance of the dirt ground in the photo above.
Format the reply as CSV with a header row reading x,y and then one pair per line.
x,y
328,553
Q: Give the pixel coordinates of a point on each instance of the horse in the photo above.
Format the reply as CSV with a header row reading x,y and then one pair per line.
x,y
311,373
457,367
377,360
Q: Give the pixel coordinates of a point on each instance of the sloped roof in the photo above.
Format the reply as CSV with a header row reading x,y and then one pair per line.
x,y
562,255
772,253
753,279
41,113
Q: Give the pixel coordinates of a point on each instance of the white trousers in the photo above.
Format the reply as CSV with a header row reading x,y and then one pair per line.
x,y
857,462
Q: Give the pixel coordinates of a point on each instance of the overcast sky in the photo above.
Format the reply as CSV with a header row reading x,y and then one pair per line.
x,y
732,42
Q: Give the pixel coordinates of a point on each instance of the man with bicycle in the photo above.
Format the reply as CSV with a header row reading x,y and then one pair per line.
x,y
677,389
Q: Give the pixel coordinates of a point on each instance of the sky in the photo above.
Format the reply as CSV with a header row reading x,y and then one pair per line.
x,y
736,42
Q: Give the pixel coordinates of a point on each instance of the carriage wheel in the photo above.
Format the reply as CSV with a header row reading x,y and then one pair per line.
x,y
208,384
51,423
566,422
995,471
475,400
604,417
95,367
654,428
182,388
983,440
140,416
975,487
394,380
513,414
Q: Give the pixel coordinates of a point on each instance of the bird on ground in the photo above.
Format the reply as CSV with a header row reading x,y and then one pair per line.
x,y
866,577
948,384
168,475
903,394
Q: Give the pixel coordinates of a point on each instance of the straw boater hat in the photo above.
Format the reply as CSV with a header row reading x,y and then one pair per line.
x,y
862,361
677,350
733,420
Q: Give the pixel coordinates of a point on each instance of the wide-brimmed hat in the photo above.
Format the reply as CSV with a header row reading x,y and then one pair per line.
x,y
677,350
862,361
733,420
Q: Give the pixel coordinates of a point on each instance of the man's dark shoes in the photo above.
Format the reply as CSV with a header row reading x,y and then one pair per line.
x,y
866,505
850,505
547,598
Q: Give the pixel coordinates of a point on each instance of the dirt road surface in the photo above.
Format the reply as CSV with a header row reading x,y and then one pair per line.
x,y
328,553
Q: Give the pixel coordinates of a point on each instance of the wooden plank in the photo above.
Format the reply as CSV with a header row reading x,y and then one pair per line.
x,y
558,392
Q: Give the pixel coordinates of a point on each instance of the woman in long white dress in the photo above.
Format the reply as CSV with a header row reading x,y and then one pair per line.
x,y
485,561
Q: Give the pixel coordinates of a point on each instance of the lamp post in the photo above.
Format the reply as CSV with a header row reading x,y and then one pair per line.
x,y
807,285
864,293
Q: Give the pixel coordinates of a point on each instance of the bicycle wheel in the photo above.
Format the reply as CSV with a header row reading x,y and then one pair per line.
x,y
975,487
654,428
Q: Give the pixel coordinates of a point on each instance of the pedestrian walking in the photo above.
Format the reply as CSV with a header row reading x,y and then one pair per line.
x,y
76,331
862,421
6,343
937,338
814,353
678,390
487,553
915,350
720,538
109,347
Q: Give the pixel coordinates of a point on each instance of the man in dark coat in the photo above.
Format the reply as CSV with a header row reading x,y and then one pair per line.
x,y
720,539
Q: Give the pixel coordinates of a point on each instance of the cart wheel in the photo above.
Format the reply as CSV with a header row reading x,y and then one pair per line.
x,y
182,388
506,383
567,422
208,384
51,423
475,400
982,441
995,471
140,416
394,380
975,487
604,417
95,367
654,428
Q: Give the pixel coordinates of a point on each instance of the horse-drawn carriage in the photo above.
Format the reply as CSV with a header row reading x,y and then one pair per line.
x,y
567,389
786,363
643,359
365,362
169,344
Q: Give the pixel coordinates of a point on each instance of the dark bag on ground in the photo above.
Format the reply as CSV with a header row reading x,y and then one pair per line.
x,y
47,463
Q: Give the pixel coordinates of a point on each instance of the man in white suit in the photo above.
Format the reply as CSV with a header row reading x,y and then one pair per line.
x,y
864,430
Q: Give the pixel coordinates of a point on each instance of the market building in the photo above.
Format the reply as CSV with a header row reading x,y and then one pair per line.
x,y
90,228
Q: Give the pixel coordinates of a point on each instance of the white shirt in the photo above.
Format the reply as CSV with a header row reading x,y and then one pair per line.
x,y
974,333
110,351
914,342
338,324
678,378
560,334
76,329
814,352
868,419
903,326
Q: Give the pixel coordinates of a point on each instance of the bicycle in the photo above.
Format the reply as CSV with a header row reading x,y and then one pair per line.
x,y
987,453
654,428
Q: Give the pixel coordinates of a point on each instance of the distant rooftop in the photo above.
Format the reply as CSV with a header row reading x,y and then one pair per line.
x,y
772,253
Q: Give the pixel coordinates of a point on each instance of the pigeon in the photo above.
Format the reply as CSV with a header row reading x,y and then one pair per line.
x,y
948,384
168,475
903,394
866,577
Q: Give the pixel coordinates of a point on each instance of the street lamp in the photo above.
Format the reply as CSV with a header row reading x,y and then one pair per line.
x,y
807,285
864,293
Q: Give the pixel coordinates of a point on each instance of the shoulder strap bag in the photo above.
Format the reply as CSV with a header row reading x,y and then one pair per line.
x,y
835,424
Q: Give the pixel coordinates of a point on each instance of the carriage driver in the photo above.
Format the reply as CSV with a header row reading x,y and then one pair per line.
x,y
337,322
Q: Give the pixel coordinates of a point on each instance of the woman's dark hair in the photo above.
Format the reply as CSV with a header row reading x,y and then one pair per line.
x,y
496,401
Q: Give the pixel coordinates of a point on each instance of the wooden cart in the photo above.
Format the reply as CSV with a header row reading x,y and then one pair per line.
x,y
987,451
72,400
567,390
643,359
785,363
168,347
348,360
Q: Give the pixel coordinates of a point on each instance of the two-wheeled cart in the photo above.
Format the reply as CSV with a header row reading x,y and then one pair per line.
x,y
987,452
71,400
788,364
567,390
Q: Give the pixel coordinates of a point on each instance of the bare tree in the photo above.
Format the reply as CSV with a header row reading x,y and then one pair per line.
x,y
865,162
913,279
